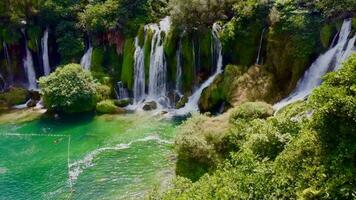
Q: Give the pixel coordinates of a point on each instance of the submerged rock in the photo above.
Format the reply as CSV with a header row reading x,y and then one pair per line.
x,y
152,105
123,102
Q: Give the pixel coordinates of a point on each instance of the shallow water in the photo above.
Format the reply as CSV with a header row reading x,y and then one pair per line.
x,y
106,157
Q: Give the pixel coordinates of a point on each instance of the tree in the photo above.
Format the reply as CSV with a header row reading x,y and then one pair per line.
x,y
69,89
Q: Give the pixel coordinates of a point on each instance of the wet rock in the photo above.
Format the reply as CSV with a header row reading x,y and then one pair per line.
x,y
152,105
181,103
31,103
123,102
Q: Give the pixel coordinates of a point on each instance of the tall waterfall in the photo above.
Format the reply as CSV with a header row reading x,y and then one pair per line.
x,y
158,66
45,58
86,59
193,101
10,77
329,61
260,47
29,68
178,85
139,73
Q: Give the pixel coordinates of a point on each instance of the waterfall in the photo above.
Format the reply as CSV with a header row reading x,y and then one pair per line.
x,y
10,78
158,66
178,85
29,68
193,101
139,73
121,92
329,61
86,59
260,48
45,58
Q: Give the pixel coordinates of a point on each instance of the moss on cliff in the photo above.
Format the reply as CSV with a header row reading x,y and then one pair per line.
x,y
171,43
147,50
97,60
293,43
236,85
326,34
127,74
205,56
188,71
34,38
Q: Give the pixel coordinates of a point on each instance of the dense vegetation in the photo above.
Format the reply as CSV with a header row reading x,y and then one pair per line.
x,y
69,89
306,151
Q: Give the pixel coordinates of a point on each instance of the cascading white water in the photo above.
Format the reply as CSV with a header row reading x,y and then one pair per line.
x,y
2,83
329,61
139,73
45,57
178,85
121,92
192,104
86,59
158,66
260,47
29,68
10,77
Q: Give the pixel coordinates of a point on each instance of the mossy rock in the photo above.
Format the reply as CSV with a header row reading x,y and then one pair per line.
x,y
326,35
14,96
251,110
188,71
108,107
123,102
34,38
97,60
181,103
127,73
103,92
354,24
141,36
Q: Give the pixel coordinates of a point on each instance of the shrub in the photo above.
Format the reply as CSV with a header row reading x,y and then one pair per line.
x,y
69,89
103,92
251,110
14,96
106,107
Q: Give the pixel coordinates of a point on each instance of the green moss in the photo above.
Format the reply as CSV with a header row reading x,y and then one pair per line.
x,y
14,96
113,62
34,38
141,36
97,60
106,107
147,49
9,35
205,40
242,48
354,23
127,74
170,49
251,110
326,35
188,76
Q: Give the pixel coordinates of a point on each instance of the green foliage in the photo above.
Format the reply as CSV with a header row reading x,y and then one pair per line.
x,y
103,92
306,151
326,35
251,110
97,60
106,107
188,76
34,35
69,89
14,96
127,73
147,49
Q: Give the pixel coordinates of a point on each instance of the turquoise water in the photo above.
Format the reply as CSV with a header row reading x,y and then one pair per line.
x,y
106,157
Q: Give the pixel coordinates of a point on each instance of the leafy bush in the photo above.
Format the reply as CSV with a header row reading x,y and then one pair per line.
x,y
306,151
106,107
251,110
69,89
14,96
103,92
